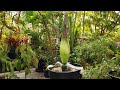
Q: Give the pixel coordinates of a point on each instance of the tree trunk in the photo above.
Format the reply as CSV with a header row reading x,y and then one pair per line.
x,y
83,33
65,26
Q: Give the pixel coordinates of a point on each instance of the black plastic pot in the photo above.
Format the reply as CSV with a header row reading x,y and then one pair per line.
x,y
46,73
41,66
12,54
113,77
75,64
65,75
2,77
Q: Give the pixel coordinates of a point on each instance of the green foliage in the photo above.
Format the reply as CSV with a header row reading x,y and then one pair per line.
x,y
110,43
32,16
100,71
26,57
6,65
117,58
94,51
99,28
73,32
74,56
36,39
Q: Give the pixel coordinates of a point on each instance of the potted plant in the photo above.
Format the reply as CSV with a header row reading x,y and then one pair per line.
x,y
64,70
24,59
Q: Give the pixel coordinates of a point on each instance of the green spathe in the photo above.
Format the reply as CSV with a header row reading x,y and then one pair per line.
x,y
64,50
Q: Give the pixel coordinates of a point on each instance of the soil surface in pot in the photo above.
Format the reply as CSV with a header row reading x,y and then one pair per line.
x,y
60,69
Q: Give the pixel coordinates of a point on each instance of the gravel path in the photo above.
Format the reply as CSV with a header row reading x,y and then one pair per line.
x,y
32,75
21,74
36,75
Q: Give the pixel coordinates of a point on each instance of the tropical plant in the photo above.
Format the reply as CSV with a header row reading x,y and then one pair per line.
x,y
64,44
64,50
26,58
6,64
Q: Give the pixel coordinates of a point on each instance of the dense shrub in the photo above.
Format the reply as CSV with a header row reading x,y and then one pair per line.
x,y
36,39
117,58
103,55
95,51
100,71
16,54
